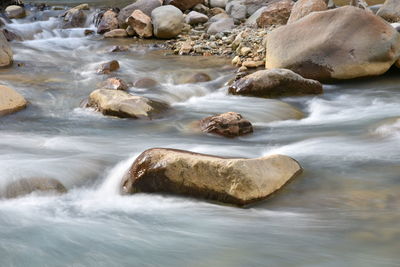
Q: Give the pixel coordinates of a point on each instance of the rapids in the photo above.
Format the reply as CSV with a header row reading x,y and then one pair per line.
x,y
343,211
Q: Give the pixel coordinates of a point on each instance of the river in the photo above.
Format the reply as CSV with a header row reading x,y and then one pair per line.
x,y
344,210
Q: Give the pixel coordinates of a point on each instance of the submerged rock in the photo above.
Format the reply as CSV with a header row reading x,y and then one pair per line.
x,y
24,187
275,83
333,45
304,7
145,83
10,101
390,11
199,77
230,124
108,67
6,54
167,22
234,181
124,105
15,12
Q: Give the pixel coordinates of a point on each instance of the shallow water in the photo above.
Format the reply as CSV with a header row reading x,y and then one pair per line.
x,y
343,211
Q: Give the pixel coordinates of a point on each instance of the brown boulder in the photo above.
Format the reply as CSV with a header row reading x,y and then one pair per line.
x,y
124,105
24,187
333,44
141,24
234,181
390,11
275,14
183,4
10,101
230,124
6,54
275,83
108,67
108,22
74,18
304,7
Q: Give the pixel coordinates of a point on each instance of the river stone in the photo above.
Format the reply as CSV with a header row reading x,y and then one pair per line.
x,y
221,25
11,36
167,22
183,4
331,44
304,7
201,9
10,101
74,18
141,24
194,18
236,181
199,77
145,83
124,105
275,14
146,6
115,84
117,33
218,3
24,187
230,124
108,67
108,22
252,20
236,9
6,54
390,11
15,12
275,83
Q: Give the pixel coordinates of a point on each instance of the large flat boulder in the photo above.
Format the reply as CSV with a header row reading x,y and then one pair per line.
x,y
275,83
124,105
6,54
146,6
342,43
10,101
235,181
390,11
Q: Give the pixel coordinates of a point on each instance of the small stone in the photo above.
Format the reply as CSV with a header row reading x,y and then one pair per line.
x,y
244,51
117,33
185,48
108,67
230,124
253,64
115,84
118,48
145,83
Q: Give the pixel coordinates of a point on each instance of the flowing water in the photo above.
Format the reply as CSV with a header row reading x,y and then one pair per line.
x,y
344,210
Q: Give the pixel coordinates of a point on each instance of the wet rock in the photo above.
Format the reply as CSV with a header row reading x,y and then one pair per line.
x,y
10,101
141,24
390,11
304,7
118,48
11,36
333,45
146,6
124,105
275,14
194,18
275,83
230,124
108,67
108,22
6,54
15,12
74,18
234,181
183,4
115,84
117,33
88,32
24,187
167,22
199,77
145,83
221,26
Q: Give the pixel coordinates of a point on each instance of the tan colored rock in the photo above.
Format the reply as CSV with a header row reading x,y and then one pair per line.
x,y
24,187
253,64
275,14
108,22
141,24
117,33
275,83
304,7
124,105
333,45
10,101
199,77
74,18
146,6
229,124
15,12
145,83
390,11
234,181
369,2
185,48
6,54
115,83
108,67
